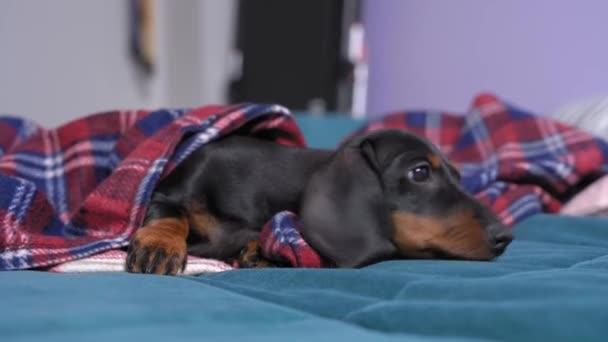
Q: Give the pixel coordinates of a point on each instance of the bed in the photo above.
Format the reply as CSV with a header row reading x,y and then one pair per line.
x,y
551,285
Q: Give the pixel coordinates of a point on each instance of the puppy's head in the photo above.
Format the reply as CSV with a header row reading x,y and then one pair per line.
x,y
390,194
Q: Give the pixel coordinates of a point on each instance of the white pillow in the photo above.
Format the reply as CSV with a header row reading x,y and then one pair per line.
x,y
590,115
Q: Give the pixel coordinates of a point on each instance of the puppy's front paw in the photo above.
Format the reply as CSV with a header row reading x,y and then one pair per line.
x,y
158,248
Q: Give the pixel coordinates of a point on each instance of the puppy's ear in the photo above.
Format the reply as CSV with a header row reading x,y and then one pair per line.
x,y
369,154
343,213
454,172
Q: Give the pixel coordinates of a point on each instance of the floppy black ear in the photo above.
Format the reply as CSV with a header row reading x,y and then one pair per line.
x,y
343,214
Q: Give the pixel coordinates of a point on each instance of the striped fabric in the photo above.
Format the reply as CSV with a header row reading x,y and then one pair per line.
x,y
114,261
517,163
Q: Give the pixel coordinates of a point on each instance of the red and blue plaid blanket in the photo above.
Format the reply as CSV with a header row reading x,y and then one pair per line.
x,y
74,191
83,188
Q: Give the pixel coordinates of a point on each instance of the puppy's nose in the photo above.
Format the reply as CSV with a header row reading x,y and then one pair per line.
x,y
500,241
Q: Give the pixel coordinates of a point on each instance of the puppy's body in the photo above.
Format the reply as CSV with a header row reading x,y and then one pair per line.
x,y
384,195
239,183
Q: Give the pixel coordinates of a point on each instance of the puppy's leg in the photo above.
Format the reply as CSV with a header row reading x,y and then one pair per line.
x,y
159,246
240,246
250,257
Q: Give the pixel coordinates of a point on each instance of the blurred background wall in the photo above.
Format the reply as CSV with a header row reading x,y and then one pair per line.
x,y
437,54
64,58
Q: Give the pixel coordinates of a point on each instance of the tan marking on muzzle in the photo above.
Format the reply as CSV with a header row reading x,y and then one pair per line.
x,y
459,235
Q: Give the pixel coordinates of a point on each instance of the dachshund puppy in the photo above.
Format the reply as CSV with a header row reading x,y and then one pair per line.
x,y
383,195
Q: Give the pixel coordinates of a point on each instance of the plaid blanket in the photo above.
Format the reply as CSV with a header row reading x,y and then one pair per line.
x,y
515,162
83,188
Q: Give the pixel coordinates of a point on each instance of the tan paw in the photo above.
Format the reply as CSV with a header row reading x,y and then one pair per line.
x,y
159,247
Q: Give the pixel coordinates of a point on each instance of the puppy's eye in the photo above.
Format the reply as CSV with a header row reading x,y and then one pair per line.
x,y
419,173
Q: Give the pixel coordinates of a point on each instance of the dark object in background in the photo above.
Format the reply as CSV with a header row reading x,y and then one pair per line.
x,y
294,53
141,34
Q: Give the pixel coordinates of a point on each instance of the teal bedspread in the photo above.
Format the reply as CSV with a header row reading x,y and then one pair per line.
x,y
552,284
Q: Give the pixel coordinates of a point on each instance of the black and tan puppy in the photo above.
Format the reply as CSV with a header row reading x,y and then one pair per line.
x,y
383,195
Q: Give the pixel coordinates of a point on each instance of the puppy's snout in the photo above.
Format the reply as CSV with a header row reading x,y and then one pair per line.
x,y
501,237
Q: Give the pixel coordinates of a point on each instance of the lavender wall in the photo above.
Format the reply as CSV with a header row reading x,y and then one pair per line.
x,y
437,54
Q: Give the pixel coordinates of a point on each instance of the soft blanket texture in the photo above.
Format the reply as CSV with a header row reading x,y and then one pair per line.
x,y
114,261
550,285
515,162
